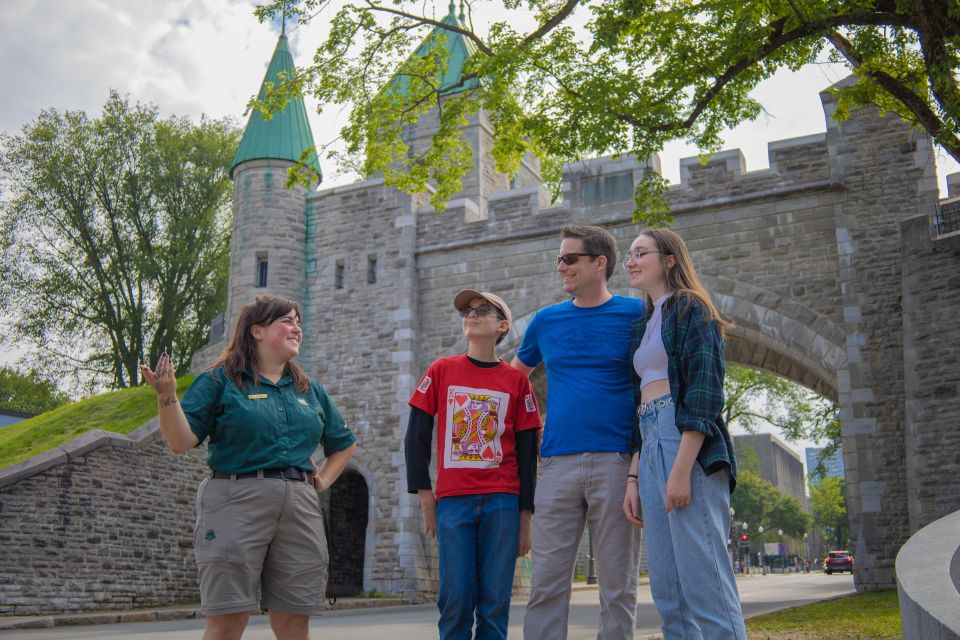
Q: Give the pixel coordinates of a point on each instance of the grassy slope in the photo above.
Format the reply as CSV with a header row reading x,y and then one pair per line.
x,y
873,615
118,411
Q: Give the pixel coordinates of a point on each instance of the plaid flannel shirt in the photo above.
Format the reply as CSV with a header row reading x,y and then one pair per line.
x,y
695,369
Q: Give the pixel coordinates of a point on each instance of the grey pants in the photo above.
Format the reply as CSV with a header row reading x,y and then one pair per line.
x,y
573,490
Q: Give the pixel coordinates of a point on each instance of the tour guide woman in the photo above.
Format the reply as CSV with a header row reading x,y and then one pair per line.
x,y
258,526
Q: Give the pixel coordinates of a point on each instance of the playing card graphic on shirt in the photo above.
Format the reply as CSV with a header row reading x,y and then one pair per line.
x,y
475,422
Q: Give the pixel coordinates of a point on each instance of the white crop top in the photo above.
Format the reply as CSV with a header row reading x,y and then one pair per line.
x,y
650,358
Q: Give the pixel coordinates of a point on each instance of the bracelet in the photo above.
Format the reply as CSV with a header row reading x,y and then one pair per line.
x,y
631,480
633,475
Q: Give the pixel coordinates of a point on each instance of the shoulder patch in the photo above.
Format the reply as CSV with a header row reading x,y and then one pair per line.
x,y
424,384
531,405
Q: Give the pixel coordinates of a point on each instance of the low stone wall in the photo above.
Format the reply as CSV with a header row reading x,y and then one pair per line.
x,y
928,579
104,522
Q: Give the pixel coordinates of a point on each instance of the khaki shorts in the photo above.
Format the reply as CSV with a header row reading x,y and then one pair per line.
x,y
259,543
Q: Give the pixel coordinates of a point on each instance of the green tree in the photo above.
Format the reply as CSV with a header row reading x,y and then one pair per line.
x,y
114,237
753,397
759,503
641,74
29,393
828,502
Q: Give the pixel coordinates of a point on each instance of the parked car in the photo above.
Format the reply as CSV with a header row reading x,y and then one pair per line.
x,y
838,561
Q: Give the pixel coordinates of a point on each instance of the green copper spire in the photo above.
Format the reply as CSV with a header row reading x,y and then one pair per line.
x,y
287,134
459,49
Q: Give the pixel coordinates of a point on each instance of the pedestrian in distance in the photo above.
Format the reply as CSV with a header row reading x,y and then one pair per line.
x,y
481,512
685,466
584,344
259,529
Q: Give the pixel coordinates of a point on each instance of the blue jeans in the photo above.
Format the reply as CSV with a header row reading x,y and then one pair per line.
x,y
691,577
477,537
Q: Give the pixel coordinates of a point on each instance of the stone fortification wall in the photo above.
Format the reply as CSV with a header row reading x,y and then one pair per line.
x,y
360,337
104,522
763,240
887,171
930,269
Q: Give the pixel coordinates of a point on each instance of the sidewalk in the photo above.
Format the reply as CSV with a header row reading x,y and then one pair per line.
x,y
189,611
184,612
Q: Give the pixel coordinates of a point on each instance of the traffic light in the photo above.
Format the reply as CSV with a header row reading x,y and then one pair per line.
x,y
744,538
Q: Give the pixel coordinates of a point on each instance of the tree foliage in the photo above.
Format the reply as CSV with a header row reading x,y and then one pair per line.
x,y
760,504
641,74
828,502
28,393
115,237
753,398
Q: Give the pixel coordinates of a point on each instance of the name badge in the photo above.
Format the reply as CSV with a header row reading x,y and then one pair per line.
x,y
258,396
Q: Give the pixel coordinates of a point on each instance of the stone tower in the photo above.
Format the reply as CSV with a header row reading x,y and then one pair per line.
x,y
267,250
482,180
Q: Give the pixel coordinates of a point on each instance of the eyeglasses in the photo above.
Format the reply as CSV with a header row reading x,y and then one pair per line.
x,y
635,256
572,258
482,311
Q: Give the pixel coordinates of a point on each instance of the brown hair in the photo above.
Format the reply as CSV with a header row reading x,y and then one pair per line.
x,y
596,240
682,278
241,354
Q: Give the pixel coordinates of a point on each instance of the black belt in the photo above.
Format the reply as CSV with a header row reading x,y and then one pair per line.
x,y
290,473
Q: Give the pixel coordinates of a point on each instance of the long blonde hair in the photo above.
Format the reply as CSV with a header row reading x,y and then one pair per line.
x,y
682,277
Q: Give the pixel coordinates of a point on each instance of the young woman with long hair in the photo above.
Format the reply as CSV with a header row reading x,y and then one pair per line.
x,y
684,469
259,530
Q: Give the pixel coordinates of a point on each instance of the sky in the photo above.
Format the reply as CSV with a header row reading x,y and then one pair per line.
x,y
207,58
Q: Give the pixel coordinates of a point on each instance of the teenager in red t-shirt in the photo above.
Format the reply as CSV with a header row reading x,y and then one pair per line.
x,y
487,421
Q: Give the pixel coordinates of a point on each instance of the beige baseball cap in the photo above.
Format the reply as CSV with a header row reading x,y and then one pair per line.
x,y
462,300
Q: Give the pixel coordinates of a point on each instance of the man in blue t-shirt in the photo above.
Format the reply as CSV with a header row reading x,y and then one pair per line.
x,y
584,343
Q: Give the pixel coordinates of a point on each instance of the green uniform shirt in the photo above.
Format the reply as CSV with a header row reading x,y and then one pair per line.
x,y
263,426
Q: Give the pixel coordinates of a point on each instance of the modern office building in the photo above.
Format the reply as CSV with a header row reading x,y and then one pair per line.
x,y
833,464
779,464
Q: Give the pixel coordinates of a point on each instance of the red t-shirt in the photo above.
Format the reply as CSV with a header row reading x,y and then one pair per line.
x,y
479,410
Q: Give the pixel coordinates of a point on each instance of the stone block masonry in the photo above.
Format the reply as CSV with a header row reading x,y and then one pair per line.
x,y
106,524
930,271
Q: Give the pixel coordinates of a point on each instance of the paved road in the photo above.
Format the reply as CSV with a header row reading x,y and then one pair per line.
x,y
759,594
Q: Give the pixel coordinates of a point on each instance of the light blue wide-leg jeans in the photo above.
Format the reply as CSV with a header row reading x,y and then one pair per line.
x,y
691,577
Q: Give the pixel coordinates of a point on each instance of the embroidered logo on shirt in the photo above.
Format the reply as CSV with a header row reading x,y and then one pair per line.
x,y
210,535
528,401
303,402
424,384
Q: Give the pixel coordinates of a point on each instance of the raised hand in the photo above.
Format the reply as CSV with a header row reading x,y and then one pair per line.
x,y
161,379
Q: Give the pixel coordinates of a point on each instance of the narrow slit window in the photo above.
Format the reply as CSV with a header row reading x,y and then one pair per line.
x,y
338,275
261,270
371,269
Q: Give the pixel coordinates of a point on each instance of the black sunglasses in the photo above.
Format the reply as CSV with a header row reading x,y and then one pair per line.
x,y
573,258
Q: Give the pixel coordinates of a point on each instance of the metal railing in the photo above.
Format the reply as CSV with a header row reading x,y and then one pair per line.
x,y
947,217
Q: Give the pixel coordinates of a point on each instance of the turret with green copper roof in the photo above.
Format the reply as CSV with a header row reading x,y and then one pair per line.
x,y
458,51
287,134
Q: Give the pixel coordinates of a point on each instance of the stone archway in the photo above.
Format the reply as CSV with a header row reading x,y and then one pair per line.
x,y
348,514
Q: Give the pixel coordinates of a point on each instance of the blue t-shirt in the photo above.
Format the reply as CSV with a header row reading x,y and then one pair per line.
x,y
586,352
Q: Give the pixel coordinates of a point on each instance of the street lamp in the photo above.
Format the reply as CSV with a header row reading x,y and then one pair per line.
x,y
763,552
732,536
783,558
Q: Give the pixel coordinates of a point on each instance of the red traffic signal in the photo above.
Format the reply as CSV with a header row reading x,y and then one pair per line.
x,y
744,538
